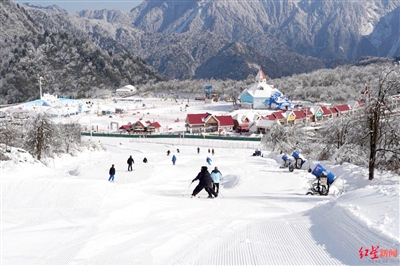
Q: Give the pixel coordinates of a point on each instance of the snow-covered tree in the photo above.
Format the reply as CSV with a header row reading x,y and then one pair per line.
x,y
41,133
382,120
9,134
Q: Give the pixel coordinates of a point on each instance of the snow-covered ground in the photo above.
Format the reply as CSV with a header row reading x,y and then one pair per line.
x,y
68,213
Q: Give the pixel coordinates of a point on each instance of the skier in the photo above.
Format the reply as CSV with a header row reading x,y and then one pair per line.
x,y
212,151
205,182
208,160
168,152
198,150
177,150
208,150
130,162
173,159
112,174
145,160
216,177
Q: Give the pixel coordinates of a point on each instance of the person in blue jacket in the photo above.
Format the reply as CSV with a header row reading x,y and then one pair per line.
x,y
216,177
208,160
112,174
173,159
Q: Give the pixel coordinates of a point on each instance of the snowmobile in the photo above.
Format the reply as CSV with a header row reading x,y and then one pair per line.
x,y
320,185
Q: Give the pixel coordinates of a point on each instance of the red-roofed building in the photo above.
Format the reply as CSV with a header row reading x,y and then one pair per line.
x,y
126,128
321,113
343,109
309,114
295,117
326,113
334,112
279,116
153,127
225,122
139,126
206,122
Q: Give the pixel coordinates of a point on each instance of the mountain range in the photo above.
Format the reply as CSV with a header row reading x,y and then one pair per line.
x,y
195,39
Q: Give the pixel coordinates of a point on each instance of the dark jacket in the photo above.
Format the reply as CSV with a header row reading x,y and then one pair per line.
x,y
130,160
204,178
112,170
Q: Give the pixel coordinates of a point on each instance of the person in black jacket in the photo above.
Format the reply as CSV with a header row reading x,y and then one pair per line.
x,y
130,162
112,174
145,160
205,182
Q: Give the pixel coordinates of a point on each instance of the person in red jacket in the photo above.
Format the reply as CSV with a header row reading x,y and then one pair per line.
x,y
205,181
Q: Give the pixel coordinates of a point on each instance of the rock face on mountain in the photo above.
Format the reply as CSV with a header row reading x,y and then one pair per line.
x,y
319,28
298,36
49,43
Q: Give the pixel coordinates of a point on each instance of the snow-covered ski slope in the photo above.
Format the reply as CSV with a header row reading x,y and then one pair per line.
x,y
69,214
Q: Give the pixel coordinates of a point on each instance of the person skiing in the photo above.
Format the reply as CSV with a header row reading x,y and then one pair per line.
x,y
212,151
112,174
208,150
130,162
168,152
173,159
208,160
145,160
205,182
216,177
177,150
198,150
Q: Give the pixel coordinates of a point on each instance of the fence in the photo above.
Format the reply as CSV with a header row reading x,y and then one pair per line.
x,y
211,142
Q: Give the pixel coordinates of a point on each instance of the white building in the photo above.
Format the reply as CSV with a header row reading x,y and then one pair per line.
x,y
260,95
127,90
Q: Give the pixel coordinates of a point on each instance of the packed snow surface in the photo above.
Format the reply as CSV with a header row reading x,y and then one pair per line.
x,y
69,213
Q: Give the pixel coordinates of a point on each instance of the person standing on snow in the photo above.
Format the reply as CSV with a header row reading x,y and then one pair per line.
x,y
173,159
198,150
112,174
145,160
168,152
216,177
205,182
130,162
212,151
208,160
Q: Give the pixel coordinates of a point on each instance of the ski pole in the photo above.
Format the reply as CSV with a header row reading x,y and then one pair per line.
x,y
187,189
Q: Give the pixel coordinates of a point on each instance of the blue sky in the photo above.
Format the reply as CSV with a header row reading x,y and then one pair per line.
x,y
76,5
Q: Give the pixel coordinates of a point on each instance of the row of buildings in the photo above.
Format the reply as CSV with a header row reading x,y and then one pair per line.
x,y
246,120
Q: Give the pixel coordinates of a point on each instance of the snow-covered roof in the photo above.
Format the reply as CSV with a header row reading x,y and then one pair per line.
x,y
266,123
127,88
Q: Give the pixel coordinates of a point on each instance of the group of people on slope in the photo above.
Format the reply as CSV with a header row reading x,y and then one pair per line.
x,y
212,150
207,181
130,162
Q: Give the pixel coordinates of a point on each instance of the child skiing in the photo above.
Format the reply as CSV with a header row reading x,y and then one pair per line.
x,y
208,160
216,177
